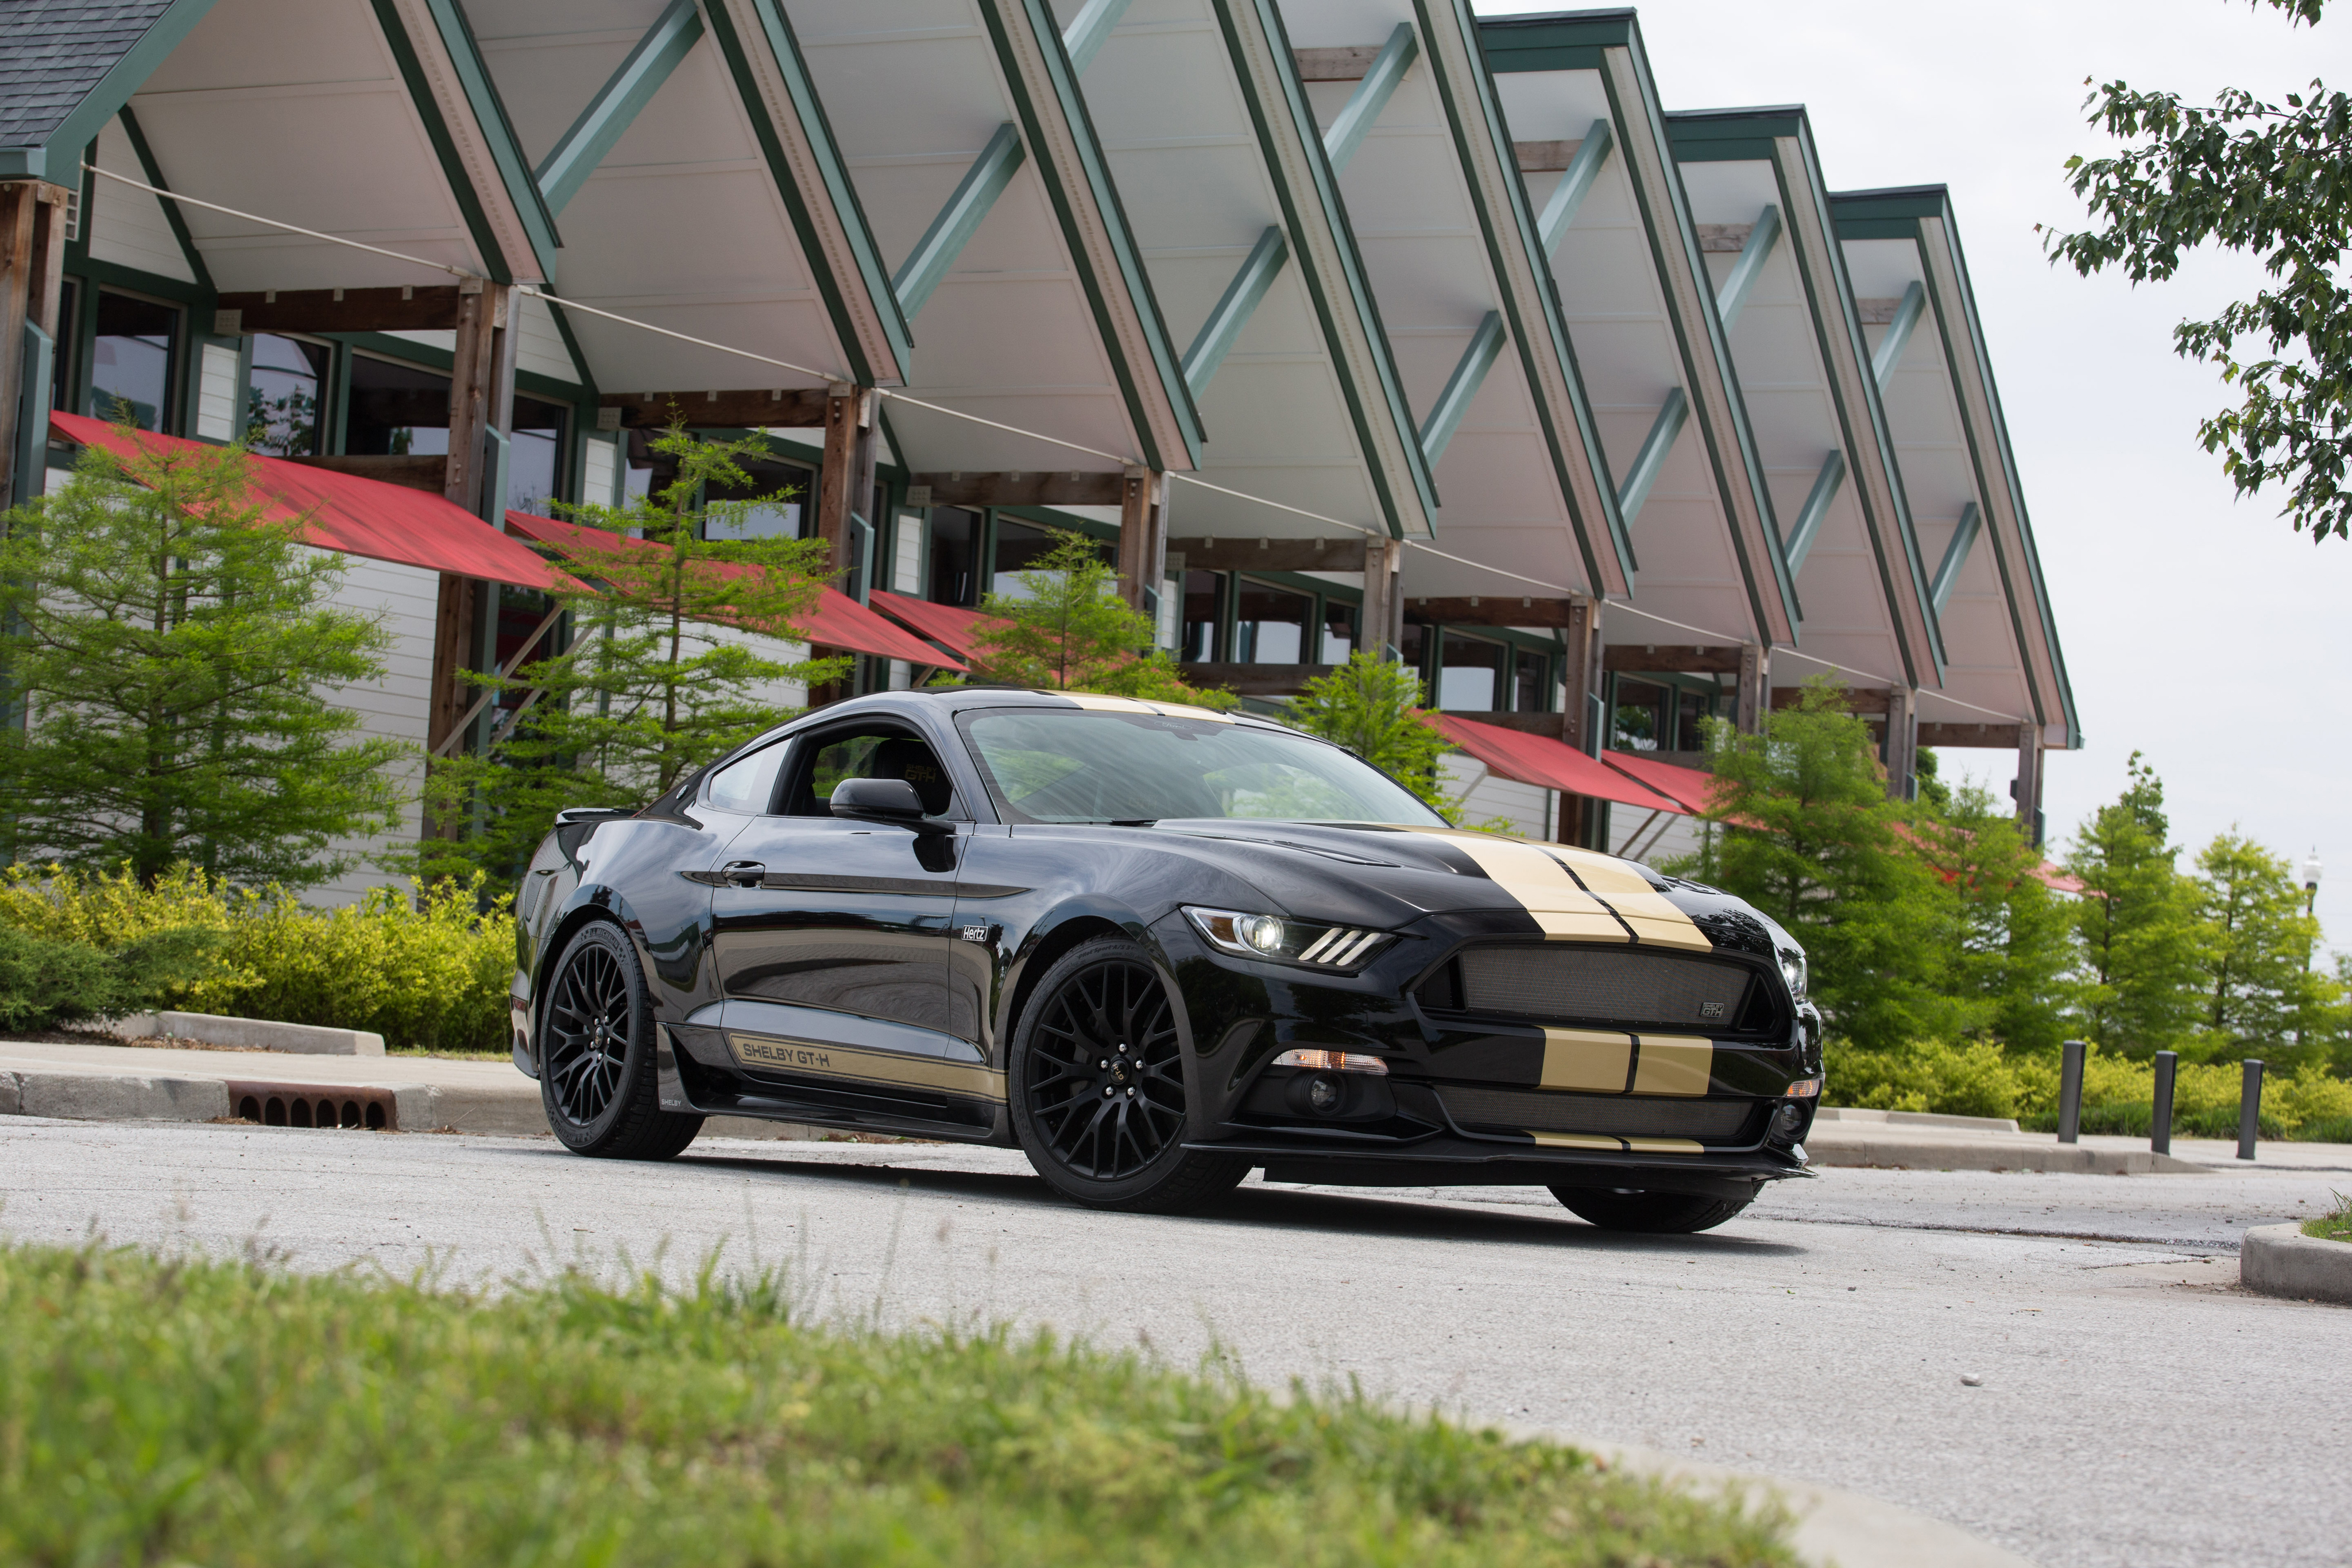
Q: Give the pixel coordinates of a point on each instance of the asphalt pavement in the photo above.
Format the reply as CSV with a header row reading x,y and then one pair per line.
x,y
2133,1405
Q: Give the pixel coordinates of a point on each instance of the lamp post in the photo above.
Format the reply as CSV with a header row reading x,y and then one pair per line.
x,y
2311,869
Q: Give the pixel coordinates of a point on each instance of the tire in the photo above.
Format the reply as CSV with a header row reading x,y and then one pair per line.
x,y
1648,1213
596,1054
1098,1095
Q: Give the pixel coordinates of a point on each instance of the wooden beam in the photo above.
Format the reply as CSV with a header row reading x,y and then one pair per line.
x,y
472,388
1254,680
1858,699
1755,687
1637,657
1347,62
757,408
1383,625
1584,657
1057,489
428,308
18,201
846,482
429,474
1479,610
1544,157
1142,534
1990,736
1270,555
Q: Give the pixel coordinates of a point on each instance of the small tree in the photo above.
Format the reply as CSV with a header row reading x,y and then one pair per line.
x,y
171,646
2009,950
2258,990
660,676
1374,708
1810,837
1069,631
2137,922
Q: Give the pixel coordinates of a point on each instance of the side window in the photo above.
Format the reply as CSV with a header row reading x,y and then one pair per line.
x,y
749,783
870,754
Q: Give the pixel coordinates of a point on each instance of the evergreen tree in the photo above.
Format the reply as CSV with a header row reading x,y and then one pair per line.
x,y
2137,922
2259,990
1070,631
2011,947
1809,836
1374,708
171,645
659,677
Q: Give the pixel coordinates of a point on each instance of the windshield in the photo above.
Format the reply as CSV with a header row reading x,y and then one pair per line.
x,y
1066,765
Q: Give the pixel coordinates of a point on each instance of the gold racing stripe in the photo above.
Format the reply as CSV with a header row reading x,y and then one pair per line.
x,y
868,1066
1664,1146
1564,911
1586,1058
1650,913
1674,1064
1580,1140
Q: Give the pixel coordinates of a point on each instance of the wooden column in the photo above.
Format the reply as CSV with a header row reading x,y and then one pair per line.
x,y
2028,788
1142,534
847,479
1383,613
475,385
32,254
1902,749
1755,686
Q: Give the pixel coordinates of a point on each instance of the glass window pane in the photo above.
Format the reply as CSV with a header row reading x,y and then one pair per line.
x,y
955,557
1271,625
131,359
1204,601
1413,647
1640,719
535,455
781,491
396,410
1338,632
1471,680
748,784
1530,688
286,395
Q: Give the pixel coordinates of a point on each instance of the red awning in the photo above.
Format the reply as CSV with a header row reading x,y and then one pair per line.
x,y
835,620
360,517
1548,763
1687,787
951,628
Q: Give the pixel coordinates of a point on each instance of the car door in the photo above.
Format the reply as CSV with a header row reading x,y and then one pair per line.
x,y
832,933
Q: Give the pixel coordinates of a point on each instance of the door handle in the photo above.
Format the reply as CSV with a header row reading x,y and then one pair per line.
x,y
744,873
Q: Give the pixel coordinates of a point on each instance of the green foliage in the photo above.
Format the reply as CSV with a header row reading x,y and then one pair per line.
x,y
195,1411
428,973
1375,707
2335,1225
2008,947
2259,986
2266,180
658,679
1972,1079
1808,835
2137,922
172,646
1069,631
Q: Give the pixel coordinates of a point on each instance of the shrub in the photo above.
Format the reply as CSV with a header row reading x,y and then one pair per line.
x,y
1927,1075
47,983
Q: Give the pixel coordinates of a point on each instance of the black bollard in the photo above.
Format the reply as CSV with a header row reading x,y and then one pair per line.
x,y
2070,1092
2159,1125
2249,1108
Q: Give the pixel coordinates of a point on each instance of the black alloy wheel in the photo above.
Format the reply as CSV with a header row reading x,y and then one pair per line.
x,y
596,1071
1648,1213
1098,1086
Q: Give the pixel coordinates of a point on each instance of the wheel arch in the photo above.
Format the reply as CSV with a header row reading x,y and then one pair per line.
x,y
1066,929
589,906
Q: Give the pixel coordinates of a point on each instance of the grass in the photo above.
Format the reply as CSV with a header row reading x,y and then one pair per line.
x,y
2335,1225
158,1412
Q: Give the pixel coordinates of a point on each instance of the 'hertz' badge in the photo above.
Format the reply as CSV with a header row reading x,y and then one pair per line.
x,y
975,933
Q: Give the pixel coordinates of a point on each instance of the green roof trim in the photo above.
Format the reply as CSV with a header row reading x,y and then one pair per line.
x,y
153,174
505,148
57,159
1563,41
444,146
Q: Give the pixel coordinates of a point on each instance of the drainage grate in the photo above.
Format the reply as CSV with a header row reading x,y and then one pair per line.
x,y
368,1108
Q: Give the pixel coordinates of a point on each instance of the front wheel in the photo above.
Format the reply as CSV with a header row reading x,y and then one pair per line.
x,y
596,1054
1098,1087
1648,1213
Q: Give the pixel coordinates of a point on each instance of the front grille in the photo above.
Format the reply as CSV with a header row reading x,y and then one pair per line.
x,y
1618,1115
1633,989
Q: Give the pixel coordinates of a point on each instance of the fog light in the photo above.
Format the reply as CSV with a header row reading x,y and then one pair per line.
x,y
1333,1061
1787,1119
1324,1092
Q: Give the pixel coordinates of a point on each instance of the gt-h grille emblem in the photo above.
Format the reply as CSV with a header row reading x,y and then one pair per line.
x,y
1710,1010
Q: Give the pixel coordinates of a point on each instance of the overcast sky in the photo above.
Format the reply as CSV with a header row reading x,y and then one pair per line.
x,y
2198,629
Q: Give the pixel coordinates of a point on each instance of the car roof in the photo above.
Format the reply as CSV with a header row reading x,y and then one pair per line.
x,y
939,702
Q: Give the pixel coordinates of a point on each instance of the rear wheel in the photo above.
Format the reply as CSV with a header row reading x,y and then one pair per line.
x,y
1098,1087
1652,1213
596,1055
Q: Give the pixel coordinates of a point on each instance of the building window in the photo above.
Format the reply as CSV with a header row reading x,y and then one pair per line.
x,y
1338,632
1530,682
535,455
1641,718
68,329
1470,676
286,395
132,359
1204,603
397,410
779,495
1270,625
955,557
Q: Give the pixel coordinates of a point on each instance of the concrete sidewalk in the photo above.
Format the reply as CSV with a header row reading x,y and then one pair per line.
x,y
1919,1141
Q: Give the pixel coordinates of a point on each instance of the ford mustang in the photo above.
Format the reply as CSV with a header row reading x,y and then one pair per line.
x,y
1155,948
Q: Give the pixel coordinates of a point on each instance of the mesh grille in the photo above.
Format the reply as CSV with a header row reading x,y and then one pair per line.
x,y
1624,1116
1640,990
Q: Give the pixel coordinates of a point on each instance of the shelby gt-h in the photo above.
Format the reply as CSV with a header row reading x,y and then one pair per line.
x,y
1155,947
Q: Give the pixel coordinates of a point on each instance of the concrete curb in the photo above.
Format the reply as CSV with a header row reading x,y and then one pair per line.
x,y
251,1034
2281,1260
113,1097
1848,1114
1844,1143
1834,1529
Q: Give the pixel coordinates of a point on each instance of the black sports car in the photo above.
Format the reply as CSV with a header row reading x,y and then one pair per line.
x,y
1154,947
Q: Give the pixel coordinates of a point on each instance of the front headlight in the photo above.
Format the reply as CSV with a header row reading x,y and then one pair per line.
x,y
1245,934
1792,969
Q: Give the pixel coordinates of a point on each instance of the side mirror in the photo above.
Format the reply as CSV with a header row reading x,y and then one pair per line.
x,y
893,800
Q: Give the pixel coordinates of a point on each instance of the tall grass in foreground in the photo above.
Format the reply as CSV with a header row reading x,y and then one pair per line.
x,y
157,1412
